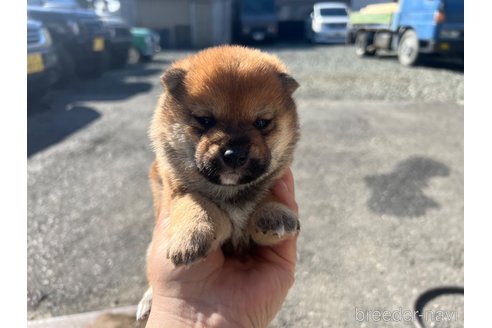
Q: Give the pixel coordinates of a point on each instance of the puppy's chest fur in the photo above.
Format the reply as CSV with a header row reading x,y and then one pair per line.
x,y
239,216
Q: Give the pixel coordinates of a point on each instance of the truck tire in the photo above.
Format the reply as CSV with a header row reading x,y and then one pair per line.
x,y
362,41
408,48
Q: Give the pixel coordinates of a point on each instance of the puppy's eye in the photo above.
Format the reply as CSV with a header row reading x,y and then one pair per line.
x,y
205,122
261,124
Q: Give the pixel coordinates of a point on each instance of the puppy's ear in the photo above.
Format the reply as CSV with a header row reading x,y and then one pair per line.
x,y
289,83
173,79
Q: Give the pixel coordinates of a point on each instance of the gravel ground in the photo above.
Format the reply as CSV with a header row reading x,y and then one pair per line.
x,y
336,73
369,126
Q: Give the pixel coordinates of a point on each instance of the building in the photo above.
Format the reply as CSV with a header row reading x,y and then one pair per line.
x,y
183,23
202,23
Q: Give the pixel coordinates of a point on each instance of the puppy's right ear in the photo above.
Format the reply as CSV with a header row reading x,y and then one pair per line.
x,y
173,79
289,83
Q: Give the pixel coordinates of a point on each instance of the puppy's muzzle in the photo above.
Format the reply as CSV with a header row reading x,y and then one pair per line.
x,y
235,156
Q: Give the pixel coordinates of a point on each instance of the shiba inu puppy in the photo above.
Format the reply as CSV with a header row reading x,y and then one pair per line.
x,y
223,131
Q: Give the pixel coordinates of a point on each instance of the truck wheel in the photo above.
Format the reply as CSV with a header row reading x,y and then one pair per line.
x,y
362,41
408,48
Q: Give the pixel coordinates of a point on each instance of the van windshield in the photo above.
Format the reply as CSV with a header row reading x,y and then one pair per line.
x,y
332,12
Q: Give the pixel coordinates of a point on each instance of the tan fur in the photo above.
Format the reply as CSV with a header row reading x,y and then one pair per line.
x,y
235,85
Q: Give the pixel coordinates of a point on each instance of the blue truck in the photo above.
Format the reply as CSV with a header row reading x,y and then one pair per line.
x,y
410,28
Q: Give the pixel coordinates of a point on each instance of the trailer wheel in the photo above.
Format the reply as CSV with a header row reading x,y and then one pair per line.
x,y
408,48
362,41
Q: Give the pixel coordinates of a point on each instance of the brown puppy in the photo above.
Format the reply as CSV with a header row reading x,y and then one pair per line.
x,y
223,132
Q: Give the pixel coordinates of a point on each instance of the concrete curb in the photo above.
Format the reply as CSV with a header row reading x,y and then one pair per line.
x,y
88,319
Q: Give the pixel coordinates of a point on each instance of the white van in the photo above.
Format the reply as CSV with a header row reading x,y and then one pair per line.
x,y
328,23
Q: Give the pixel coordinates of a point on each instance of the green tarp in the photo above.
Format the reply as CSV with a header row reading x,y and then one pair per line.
x,y
358,18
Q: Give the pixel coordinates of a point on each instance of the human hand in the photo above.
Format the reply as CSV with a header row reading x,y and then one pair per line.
x,y
223,291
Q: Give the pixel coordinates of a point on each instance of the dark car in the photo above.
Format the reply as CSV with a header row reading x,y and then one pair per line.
x,y
118,40
78,39
117,34
42,63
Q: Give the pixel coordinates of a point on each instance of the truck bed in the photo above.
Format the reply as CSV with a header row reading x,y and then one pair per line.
x,y
376,14
359,18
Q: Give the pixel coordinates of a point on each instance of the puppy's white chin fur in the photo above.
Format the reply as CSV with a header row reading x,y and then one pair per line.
x,y
229,179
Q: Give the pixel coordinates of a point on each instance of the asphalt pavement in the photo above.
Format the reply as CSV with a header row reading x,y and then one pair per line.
x,y
379,182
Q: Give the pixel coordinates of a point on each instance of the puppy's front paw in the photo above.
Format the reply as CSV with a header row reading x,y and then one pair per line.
x,y
188,247
273,223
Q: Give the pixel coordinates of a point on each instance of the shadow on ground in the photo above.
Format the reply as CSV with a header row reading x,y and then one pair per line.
x,y
59,115
115,85
449,64
427,61
55,125
400,193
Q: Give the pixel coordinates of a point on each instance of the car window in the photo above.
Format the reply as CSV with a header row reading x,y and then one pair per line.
x,y
333,12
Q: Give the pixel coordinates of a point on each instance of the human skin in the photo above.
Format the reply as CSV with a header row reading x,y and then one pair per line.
x,y
221,291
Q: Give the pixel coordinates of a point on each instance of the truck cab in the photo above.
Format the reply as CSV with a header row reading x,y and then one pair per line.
x,y
438,24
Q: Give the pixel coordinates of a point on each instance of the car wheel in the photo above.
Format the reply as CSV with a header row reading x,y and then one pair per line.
x,y
36,95
119,59
408,48
146,58
133,55
310,38
307,33
362,41
66,66
96,68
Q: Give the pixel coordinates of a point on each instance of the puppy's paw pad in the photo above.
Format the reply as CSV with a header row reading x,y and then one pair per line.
x,y
276,219
190,249
144,306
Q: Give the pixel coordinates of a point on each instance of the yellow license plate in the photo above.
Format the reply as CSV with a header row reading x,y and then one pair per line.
x,y
98,44
444,46
35,63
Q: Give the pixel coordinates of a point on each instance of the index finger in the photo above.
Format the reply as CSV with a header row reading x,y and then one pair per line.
x,y
288,179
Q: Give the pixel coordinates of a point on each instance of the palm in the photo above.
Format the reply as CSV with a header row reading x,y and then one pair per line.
x,y
256,286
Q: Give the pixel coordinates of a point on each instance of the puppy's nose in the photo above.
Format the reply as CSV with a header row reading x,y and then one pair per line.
x,y
235,156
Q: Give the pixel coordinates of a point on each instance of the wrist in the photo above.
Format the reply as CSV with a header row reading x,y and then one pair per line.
x,y
177,313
